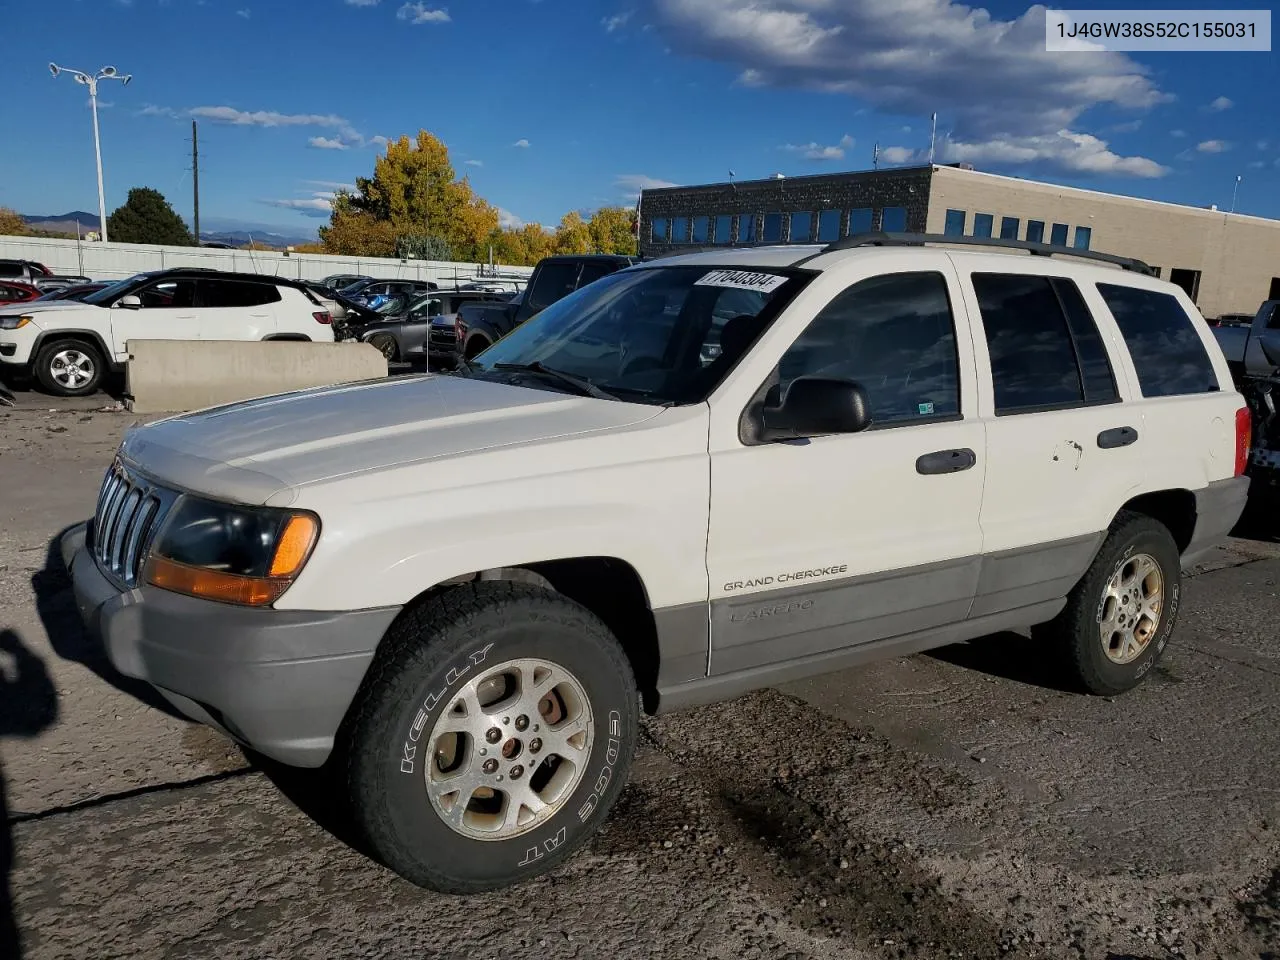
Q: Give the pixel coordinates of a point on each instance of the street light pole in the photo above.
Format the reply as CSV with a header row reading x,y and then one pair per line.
x,y
106,73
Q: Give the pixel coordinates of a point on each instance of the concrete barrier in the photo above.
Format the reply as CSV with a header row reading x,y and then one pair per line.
x,y
170,376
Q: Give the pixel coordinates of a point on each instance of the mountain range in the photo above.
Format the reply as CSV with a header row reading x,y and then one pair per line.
x,y
233,233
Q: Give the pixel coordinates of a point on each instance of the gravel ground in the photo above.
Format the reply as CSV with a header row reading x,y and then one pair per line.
x,y
946,805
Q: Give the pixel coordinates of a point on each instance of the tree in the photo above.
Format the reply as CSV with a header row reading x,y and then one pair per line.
x,y
573,235
613,230
354,232
12,224
146,217
423,246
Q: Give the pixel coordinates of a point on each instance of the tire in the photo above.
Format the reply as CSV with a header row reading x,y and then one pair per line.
x,y
475,347
386,345
69,368
1135,635
446,652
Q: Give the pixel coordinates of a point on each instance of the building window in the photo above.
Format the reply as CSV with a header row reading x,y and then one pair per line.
x,y
1009,228
1188,280
1058,237
661,230
982,223
680,230
828,226
1035,231
955,223
701,229
894,220
772,228
860,220
724,228
747,228
1084,235
801,227
1168,354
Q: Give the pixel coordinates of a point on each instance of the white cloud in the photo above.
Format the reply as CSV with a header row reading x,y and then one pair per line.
x,y
151,110
898,155
267,118
379,141
1064,150
1128,126
1257,164
632,183
993,77
522,143
420,13
508,220
1178,133
1213,146
1264,144
243,13
326,143
474,163
816,151
362,3
617,21
317,206
1220,104
330,185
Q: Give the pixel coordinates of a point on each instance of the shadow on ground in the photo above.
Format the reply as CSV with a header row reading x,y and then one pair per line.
x,y
28,705
56,606
1008,655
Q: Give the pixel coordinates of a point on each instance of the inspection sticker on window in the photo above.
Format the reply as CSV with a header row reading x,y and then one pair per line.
x,y
742,280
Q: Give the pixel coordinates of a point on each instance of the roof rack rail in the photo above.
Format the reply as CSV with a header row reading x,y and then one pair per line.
x,y
881,239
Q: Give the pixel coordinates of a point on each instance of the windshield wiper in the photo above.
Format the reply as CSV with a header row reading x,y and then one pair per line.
x,y
583,386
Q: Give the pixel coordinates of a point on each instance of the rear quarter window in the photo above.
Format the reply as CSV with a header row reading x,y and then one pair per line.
x,y
1167,352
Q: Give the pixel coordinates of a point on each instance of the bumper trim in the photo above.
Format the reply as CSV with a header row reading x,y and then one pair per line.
x,y
1218,509
280,681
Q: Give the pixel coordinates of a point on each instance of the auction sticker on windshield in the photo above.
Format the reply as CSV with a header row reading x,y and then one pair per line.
x,y
742,280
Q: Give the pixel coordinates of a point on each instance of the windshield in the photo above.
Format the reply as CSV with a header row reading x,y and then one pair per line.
x,y
108,295
351,289
663,335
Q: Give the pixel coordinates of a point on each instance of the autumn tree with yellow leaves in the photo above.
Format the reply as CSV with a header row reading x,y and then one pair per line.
x,y
415,201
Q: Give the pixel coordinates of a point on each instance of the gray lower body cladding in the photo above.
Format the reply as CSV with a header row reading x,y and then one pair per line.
x,y
279,681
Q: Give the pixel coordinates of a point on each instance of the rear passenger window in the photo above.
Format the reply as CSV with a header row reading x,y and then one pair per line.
x,y
1167,352
895,336
1045,349
234,293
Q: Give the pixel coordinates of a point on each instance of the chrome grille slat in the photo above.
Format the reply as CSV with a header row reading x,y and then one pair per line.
x,y
128,515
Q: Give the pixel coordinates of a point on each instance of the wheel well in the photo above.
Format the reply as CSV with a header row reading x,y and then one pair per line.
x,y
82,336
476,343
608,587
1176,509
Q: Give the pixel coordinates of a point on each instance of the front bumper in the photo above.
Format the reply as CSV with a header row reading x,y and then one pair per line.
x,y
278,681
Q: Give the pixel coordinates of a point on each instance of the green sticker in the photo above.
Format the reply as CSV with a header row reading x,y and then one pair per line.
x,y
926,409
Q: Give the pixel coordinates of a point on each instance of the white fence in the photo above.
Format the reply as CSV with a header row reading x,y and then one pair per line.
x,y
115,261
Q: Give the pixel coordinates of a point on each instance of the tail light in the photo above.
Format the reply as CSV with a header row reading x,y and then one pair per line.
x,y
1243,438
459,328
323,316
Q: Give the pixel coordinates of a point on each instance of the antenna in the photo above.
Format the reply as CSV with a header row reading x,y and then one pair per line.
x,y
933,137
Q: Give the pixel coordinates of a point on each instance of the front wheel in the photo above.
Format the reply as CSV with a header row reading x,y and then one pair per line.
x,y
1119,617
492,736
69,368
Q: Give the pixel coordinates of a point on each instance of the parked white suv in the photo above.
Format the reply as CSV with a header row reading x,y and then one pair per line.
x,y
459,590
69,345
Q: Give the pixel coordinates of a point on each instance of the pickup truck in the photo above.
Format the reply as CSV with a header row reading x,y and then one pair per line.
x,y
37,275
1253,357
478,326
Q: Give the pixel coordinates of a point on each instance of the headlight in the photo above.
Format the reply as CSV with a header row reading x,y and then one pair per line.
x,y
243,555
14,323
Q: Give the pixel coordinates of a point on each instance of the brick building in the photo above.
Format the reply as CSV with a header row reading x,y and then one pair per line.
x,y
1228,263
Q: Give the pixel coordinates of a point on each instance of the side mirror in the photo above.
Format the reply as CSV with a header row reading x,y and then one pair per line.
x,y
130,302
815,406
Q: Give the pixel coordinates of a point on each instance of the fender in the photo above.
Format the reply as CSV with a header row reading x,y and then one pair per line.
x,y
108,355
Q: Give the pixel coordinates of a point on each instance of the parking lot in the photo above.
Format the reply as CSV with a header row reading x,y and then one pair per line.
x,y
950,804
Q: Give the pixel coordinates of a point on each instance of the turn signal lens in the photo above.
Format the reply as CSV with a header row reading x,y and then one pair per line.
x,y
213,584
294,546
1244,431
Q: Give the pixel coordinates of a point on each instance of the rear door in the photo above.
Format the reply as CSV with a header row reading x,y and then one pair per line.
x,y
236,309
168,312
1064,442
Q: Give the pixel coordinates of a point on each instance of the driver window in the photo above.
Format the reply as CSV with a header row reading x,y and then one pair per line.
x,y
168,294
894,335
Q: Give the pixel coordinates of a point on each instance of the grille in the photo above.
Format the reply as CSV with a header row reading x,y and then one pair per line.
x,y
127,516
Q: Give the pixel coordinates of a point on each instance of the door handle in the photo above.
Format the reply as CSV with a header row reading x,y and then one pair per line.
x,y
946,461
1117,437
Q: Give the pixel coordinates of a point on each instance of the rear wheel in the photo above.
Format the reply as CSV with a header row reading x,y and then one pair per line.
x,y
69,368
1119,617
476,346
491,738
386,345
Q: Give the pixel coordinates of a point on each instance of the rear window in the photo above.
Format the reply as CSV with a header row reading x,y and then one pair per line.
x,y
237,293
10,269
1167,352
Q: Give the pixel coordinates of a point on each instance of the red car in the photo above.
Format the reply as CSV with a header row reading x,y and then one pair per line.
x,y
13,292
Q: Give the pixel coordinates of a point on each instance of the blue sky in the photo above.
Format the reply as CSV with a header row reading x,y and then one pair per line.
x,y
553,105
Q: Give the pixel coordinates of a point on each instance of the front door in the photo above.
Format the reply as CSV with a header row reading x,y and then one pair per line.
x,y
168,312
841,540
237,309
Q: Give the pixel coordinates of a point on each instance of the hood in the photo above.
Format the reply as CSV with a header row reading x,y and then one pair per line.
x,y
34,307
256,451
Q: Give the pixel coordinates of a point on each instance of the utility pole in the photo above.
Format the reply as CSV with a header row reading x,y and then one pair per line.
x,y
195,181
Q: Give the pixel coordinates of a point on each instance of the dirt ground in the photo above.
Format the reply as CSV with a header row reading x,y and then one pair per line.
x,y
945,805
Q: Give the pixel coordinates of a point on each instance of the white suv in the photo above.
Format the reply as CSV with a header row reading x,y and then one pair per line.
x,y
69,345
694,477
